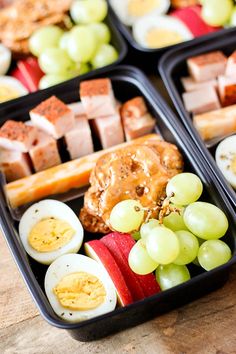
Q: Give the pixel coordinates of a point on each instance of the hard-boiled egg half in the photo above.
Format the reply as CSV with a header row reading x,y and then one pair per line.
x,y
11,88
130,11
160,31
5,59
226,159
49,229
78,288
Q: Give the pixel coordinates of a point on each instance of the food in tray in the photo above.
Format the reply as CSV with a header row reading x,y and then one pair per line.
x,y
79,288
202,100
226,159
11,88
66,40
49,229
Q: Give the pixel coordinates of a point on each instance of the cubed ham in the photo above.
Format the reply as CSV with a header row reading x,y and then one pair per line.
x,y
17,136
217,123
231,65
98,98
109,130
189,84
79,140
77,108
135,128
53,117
227,90
44,152
207,66
201,101
134,108
14,164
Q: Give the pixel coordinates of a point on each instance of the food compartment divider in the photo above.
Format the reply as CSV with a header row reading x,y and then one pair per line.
x,y
127,82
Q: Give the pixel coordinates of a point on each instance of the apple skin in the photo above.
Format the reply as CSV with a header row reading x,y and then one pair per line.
x,y
99,252
148,282
112,243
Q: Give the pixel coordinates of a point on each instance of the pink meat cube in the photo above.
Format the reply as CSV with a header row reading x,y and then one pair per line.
x,y
109,130
44,152
79,140
77,108
17,136
227,90
201,101
14,164
53,117
98,98
231,65
207,66
189,84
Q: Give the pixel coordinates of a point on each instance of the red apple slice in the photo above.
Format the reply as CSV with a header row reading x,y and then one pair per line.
x,y
98,251
132,282
148,282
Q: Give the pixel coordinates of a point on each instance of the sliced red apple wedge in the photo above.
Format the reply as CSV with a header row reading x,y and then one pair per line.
x,y
131,280
99,252
148,282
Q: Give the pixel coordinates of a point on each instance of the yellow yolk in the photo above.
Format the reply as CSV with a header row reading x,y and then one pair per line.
x,y
50,234
161,37
7,93
80,291
233,165
141,7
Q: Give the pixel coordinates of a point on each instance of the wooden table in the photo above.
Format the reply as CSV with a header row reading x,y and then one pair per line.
x,y
206,326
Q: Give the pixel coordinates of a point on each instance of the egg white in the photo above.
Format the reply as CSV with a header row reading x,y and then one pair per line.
x,y
121,9
147,23
224,153
5,59
72,263
45,209
14,84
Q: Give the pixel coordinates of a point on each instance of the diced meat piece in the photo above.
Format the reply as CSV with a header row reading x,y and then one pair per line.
x,y
201,101
44,152
217,123
227,90
17,136
189,84
53,117
14,164
98,98
231,65
134,108
109,130
79,140
207,66
77,108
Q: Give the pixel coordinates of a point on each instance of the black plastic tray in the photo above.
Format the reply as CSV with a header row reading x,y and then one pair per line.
x,y
116,40
173,66
127,83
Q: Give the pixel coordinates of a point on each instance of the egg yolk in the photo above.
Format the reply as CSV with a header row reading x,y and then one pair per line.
x,y
233,164
7,93
80,291
161,37
141,7
50,234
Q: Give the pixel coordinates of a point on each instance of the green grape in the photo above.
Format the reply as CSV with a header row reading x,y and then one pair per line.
x,y
84,68
186,188
217,12
136,235
101,32
162,245
171,275
213,253
43,38
51,80
200,242
175,220
147,227
232,21
81,44
205,220
139,260
105,55
188,247
55,61
127,216
88,11
63,43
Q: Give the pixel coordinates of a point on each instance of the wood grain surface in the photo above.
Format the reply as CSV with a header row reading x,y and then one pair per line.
x,y
205,326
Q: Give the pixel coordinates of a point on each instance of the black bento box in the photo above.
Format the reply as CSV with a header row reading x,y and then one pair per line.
x,y
127,82
173,66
